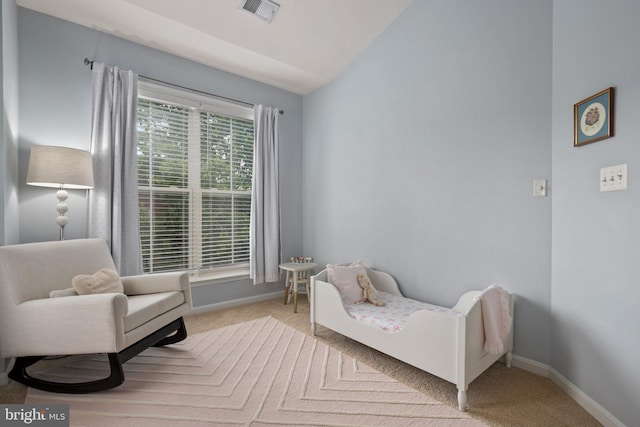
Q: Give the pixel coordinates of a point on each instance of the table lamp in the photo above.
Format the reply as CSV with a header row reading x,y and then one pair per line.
x,y
63,168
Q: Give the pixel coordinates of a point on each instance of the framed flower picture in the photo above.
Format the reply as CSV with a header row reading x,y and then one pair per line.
x,y
593,118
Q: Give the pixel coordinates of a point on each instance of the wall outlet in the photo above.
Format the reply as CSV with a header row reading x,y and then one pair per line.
x,y
613,178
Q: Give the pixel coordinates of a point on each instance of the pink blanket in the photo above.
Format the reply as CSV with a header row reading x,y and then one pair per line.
x,y
496,317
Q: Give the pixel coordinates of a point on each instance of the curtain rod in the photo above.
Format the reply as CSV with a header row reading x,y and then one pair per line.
x,y
87,61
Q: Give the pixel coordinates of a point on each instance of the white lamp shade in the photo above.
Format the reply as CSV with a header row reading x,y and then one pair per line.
x,y
57,167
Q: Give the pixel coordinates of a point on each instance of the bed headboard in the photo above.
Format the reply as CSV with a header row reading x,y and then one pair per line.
x,y
322,276
381,281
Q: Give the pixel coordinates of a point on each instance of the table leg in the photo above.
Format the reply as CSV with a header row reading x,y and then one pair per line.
x,y
286,288
295,292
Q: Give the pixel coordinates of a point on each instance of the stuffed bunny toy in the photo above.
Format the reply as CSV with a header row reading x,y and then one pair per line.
x,y
370,293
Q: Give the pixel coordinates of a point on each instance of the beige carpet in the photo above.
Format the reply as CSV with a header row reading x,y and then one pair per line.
x,y
259,372
500,397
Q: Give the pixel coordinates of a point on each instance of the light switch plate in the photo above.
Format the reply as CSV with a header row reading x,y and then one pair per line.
x,y
613,178
539,188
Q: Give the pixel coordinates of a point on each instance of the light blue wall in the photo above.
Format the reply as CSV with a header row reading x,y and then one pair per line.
x,y
55,109
596,236
420,158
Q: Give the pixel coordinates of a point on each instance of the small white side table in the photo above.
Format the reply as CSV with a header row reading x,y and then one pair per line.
x,y
295,268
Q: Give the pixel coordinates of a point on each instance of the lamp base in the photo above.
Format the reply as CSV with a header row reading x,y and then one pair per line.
x,y
61,232
62,208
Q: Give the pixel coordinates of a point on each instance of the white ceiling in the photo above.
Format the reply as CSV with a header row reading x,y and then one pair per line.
x,y
308,43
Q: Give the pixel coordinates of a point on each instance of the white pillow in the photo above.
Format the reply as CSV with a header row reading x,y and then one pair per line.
x,y
345,278
105,281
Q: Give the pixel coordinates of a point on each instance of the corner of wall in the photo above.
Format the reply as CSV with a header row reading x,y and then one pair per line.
x,y
9,122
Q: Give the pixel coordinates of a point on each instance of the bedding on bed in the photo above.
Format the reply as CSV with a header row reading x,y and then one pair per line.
x,y
393,316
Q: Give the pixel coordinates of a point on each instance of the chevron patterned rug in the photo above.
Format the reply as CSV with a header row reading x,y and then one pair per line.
x,y
257,373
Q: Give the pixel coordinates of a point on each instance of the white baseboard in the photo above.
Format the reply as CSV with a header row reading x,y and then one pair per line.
x,y
530,365
591,406
234,303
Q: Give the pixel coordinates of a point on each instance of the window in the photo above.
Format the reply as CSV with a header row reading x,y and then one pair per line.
x,y
195,161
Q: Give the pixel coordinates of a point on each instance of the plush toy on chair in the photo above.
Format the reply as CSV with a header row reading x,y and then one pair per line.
x,y
370,293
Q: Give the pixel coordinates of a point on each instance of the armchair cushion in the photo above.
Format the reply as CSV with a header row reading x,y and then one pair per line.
x,y
143,308
105,281
69,292
154,283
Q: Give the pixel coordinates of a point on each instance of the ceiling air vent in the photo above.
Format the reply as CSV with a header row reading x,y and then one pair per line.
x,y
263,9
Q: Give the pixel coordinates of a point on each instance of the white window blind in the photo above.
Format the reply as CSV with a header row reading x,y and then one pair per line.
x,y
195,159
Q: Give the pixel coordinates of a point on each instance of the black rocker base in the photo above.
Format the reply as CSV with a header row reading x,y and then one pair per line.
x,y
159,338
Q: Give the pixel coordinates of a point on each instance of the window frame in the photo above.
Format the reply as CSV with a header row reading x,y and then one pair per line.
x,y
196,103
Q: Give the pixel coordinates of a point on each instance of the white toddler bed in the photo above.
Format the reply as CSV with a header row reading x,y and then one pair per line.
x,y
448,343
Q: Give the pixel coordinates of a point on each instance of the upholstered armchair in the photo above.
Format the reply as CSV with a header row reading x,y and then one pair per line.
x,y
41,313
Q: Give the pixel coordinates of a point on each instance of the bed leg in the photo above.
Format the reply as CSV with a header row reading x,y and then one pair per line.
x,y
313,329
462,400
507,358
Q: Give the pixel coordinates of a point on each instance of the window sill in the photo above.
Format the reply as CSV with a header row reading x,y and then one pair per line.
x,y
223,276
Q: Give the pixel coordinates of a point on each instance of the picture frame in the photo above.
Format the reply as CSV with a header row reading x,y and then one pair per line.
x,y
593,118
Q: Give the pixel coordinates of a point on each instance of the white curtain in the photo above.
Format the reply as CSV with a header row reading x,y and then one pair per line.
x,y
113,203
265,198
